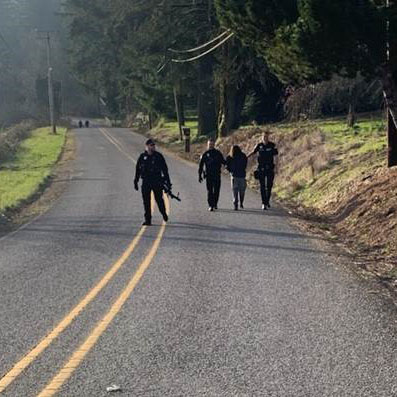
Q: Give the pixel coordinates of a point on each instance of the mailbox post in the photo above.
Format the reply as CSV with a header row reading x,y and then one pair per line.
x,y
186,135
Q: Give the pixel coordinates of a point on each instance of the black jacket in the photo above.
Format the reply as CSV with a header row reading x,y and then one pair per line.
x,y
266,154
237,165
151,168
212,160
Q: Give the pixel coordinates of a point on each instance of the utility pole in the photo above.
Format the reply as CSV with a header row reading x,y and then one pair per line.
x,y
47,38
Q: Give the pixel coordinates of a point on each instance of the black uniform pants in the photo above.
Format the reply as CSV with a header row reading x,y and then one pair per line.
x,y
155,187
213,189
266,179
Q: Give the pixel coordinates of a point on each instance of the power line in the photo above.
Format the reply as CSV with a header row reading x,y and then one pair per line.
x,y
201,46
163,66
204,53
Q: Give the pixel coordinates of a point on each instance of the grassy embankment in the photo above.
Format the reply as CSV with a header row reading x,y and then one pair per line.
x,y
318,158
28,169
321,158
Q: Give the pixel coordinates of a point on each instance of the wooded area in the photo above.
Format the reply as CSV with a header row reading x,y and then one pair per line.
x,y
226,62
140,55
23,63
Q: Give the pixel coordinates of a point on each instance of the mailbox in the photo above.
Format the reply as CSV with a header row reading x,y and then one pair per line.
x,y
186,134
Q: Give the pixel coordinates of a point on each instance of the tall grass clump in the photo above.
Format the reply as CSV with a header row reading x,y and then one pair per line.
x,y
11,138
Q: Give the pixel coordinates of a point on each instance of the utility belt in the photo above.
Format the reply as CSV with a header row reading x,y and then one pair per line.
x,y
264,169
152,179
212,175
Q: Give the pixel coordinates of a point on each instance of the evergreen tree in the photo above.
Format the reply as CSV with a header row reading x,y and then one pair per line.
x,y
310,40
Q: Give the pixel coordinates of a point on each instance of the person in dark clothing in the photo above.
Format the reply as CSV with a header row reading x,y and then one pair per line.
x,y
153,170
267,167
236,164
212,160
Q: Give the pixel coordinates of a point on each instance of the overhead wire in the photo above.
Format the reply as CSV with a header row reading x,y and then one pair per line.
x,y
204,53
201,46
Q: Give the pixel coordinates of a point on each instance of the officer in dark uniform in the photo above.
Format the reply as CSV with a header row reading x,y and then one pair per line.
x,y
267,167
212,160
153,170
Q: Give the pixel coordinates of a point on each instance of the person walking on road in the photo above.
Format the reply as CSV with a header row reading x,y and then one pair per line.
x,y
267,167
236,164
212,160
153,170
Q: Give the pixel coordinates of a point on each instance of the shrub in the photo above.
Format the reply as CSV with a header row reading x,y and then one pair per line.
x,y
12,137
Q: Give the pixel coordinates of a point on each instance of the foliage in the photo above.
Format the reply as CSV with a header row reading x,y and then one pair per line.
x,y
334,97
119,49
295,36
23,59
11,138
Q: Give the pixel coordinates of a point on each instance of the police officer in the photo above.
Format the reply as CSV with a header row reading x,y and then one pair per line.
x,y
153,170
267,167
212,161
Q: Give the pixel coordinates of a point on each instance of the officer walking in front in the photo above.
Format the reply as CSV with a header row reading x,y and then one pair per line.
x,y
153,170
267,167
212,160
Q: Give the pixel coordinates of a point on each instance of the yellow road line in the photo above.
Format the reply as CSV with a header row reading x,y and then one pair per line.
x,y
116,143
78,356
21,365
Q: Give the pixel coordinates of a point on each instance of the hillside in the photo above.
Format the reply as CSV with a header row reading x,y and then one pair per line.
x,y
334,178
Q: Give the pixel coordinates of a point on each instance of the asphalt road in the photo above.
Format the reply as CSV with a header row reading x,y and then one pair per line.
x,y
211,304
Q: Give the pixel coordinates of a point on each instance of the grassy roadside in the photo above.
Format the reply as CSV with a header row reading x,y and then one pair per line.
x,y
27,171
317,158
320,159
332,177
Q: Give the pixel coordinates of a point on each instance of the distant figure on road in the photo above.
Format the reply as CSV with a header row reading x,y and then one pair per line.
x,y
212,160
236,164
87,123
80,124
267,167
153,170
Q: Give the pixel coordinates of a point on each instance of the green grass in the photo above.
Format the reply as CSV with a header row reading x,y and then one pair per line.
x,y
21,177
350,154
173,127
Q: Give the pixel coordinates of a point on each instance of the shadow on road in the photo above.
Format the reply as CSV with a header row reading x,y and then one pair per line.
x,y
240,230
234,243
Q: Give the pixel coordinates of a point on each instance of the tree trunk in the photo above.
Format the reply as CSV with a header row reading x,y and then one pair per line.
x,y
351,116
230,108
206,99
389,93
231,99
391,138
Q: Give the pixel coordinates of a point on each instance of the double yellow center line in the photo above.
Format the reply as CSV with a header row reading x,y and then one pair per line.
x,y
79,355
74,362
